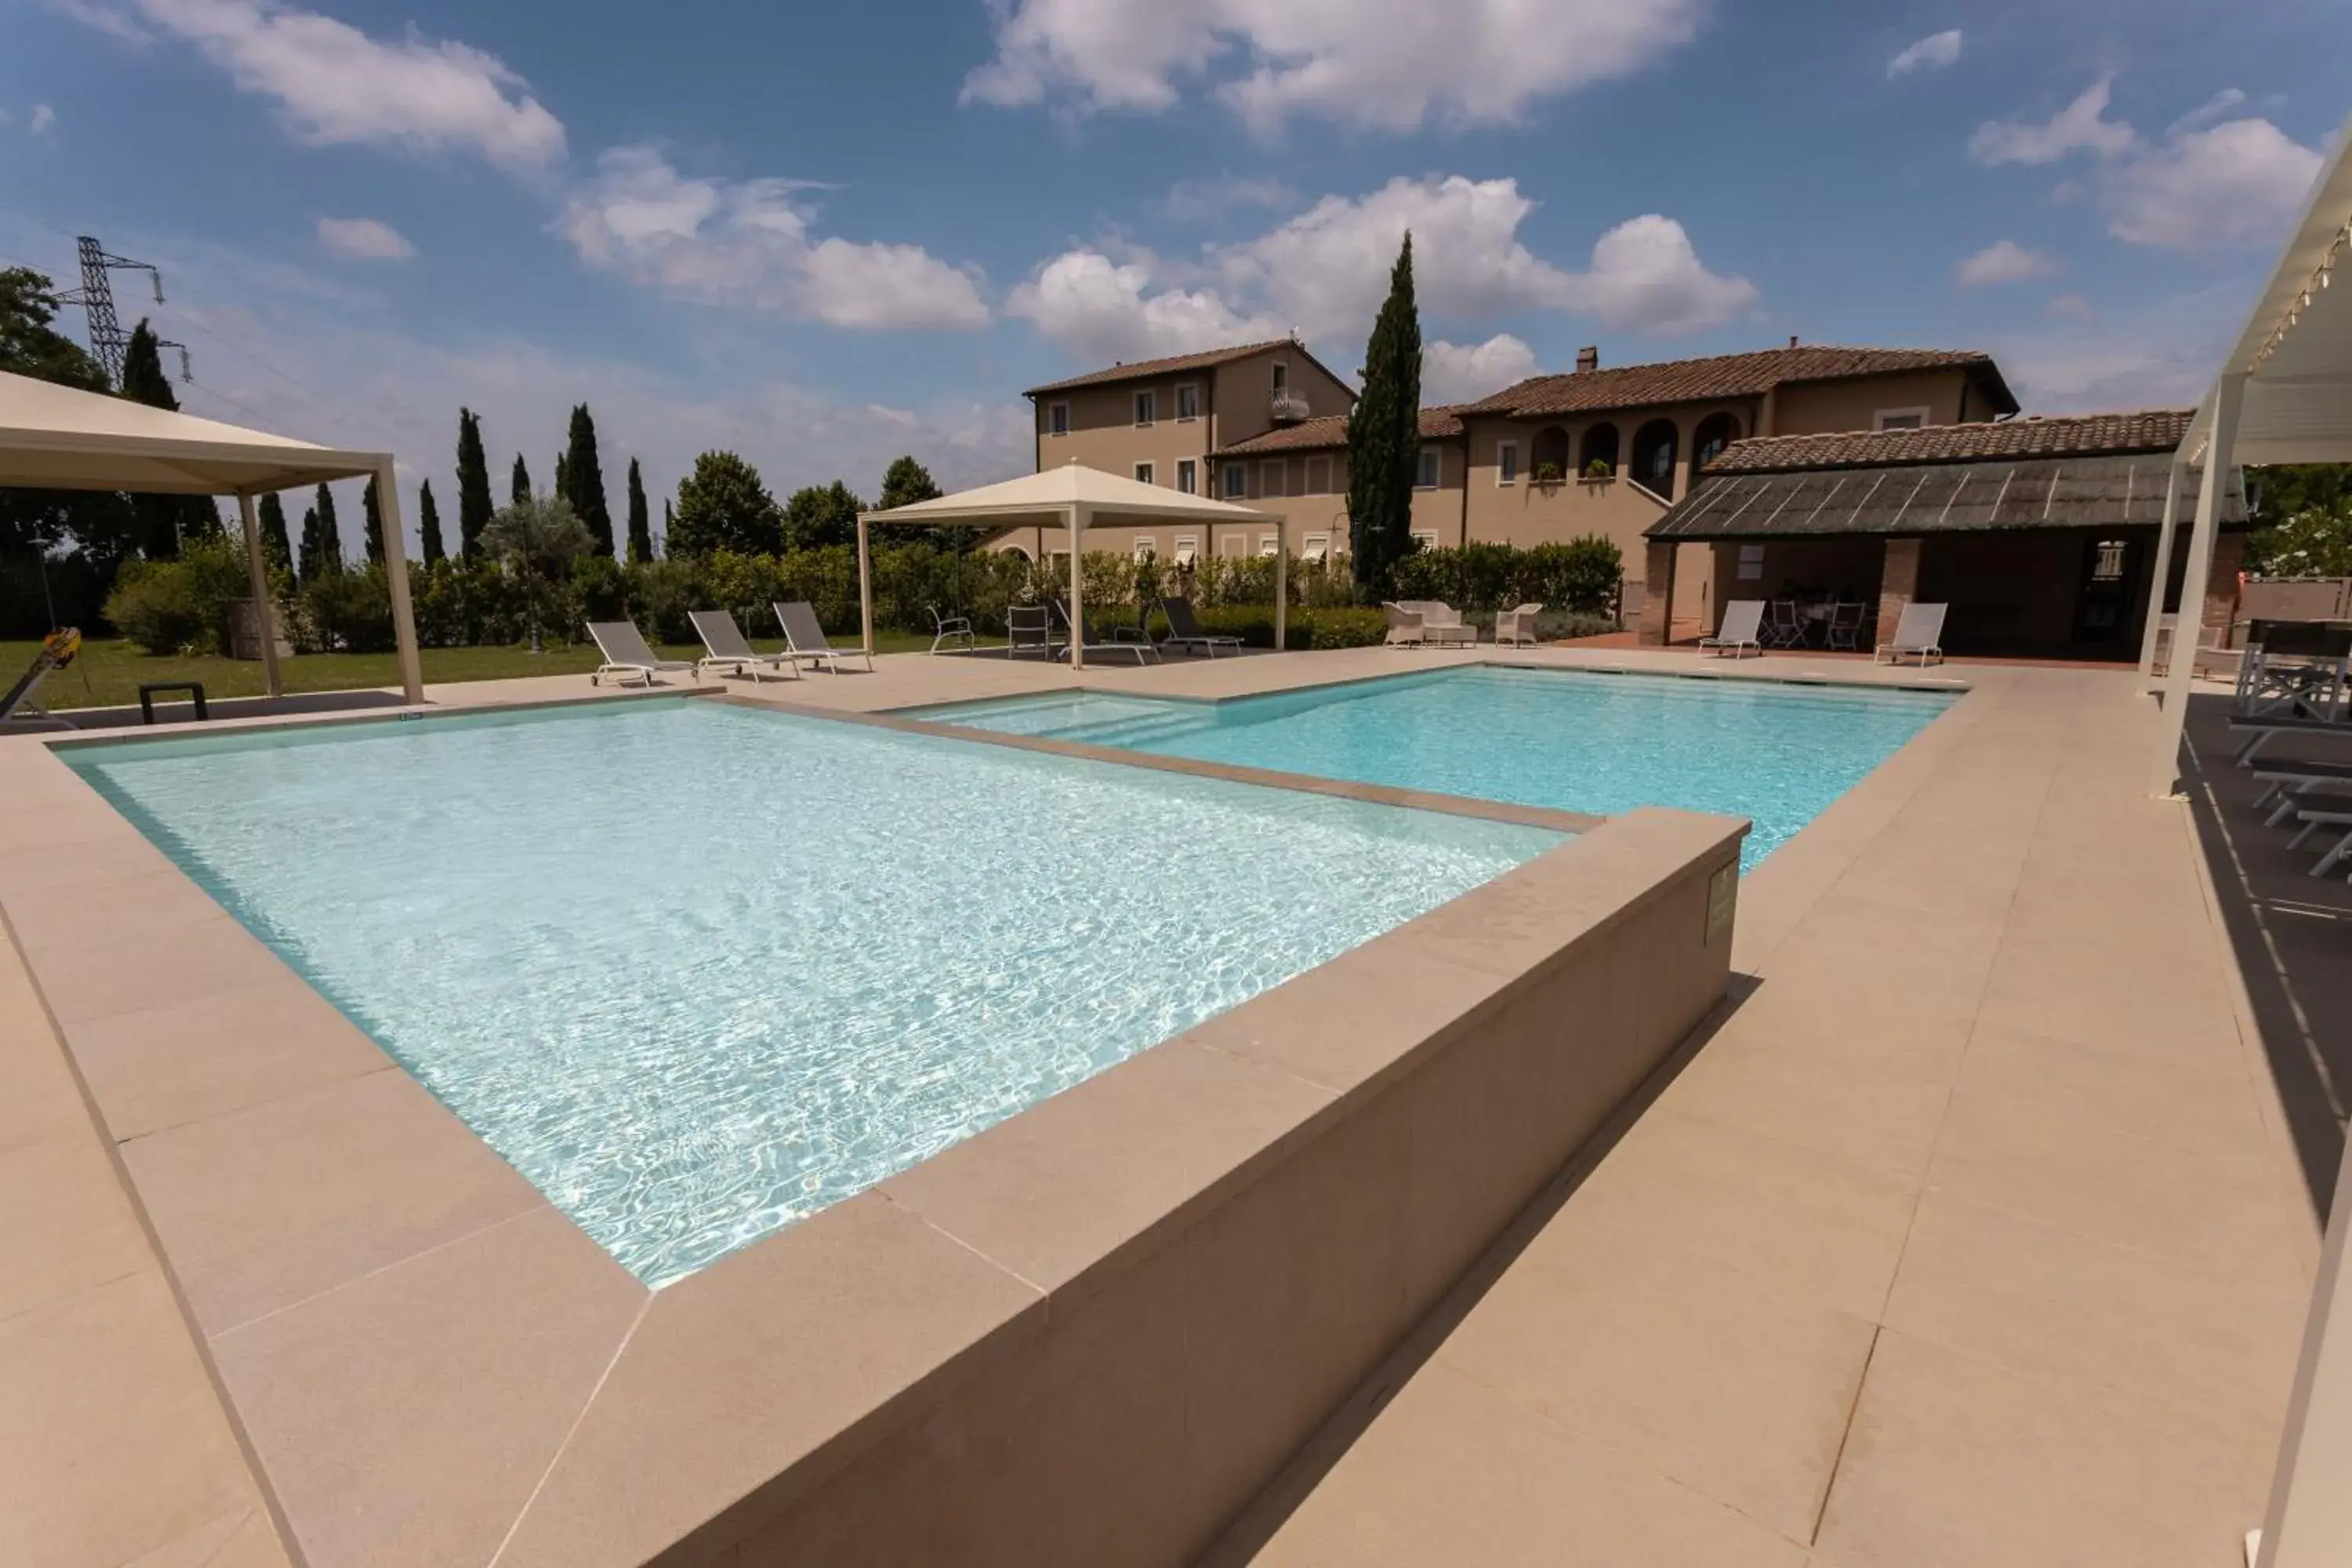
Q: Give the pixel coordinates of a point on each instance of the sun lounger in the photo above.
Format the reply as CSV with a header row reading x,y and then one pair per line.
x,y
1916,636
1737,631
728,650
626,654
803,638
1184,631
56,652
1517,627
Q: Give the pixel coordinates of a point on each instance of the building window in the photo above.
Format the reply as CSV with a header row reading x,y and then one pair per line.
x,y
1654,457
1426,476
1281,376
1188,476
1598,459
1269,544
1235,543
1715,432
1188,402
2108,559
1146,547
1147,407
1506,462
1236,482
1898,418
1425,537
1319,477
1272,475
1057,419
1551,455
1317,548
1143,474
1752,563
1188,551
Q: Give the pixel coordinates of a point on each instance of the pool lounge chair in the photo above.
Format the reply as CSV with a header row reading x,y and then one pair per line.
x,y
1184,631
728,649
1743,619
1517,627
1132,641
18,707
626,654
803,638
1916,637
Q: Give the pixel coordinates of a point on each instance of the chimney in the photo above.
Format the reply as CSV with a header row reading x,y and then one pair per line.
x,y
1792,340
1588,357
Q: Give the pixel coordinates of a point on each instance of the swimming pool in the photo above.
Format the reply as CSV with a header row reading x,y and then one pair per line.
x,y
1573,740
698,971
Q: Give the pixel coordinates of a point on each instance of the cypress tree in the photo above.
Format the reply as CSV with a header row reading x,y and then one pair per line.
x,y
669,520
274,547
641,527
162,520
314,562
473,506
519,486
1384,438
371,507
428,525
583,483
562,480
331,533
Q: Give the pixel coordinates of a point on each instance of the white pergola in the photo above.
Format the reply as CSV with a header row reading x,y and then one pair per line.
x,y
2283,394
60,439
1073,497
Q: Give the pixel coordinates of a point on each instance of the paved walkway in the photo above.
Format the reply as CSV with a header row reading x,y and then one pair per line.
x,y
1972,1237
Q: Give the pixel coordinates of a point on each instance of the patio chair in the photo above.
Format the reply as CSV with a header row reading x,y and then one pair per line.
x,y
1783,626
626,654
803,638
1844,630
1029,629
1404,626
1916,636
2260,732
1184,631
1517,627
2313,821
56,652
949,629
726,649
1736,632
1441,623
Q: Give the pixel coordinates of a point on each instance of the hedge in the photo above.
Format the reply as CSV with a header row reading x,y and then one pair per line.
x,y
1582,576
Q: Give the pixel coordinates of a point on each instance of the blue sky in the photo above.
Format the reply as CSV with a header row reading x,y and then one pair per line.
x,y
825,237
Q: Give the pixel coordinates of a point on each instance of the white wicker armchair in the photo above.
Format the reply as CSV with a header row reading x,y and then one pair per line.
x,y
1517,627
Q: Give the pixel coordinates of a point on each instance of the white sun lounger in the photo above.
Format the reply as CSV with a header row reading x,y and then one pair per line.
x,y
1916,637
1743,620
805,639
626,654
730,651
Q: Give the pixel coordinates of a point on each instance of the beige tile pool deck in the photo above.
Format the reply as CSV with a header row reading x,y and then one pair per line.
x,y
1970,1234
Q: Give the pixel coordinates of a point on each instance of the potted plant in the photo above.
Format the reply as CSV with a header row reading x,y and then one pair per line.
x,y
1599,468
1547,474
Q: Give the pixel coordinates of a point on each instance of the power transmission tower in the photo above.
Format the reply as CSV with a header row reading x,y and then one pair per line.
x,y
96,296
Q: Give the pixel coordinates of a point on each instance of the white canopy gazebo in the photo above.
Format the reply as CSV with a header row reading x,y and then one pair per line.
x,y
1072,498
62,438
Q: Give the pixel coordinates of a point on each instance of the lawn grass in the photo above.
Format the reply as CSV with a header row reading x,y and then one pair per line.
x,y
109,670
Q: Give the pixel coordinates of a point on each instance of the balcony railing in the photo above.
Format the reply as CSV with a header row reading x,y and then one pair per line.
x,y
1288,408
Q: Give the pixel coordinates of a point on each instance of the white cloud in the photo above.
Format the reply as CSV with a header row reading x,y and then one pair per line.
x,y
1197,201
2162,356
2071,308
1390,64
41,122
364,239
1646,276
1931,52
2205,113
746,244
1458,373
1107,312
105,18
333,84
2003,261
2081,125
2238,182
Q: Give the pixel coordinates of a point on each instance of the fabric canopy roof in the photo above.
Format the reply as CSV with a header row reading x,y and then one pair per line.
x,y
1050,496
60,438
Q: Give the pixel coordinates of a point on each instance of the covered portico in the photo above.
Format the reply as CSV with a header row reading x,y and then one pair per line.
x,y
1072,498
62,438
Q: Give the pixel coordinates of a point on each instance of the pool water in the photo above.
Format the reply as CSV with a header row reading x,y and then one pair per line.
x,y
1575,740
698,971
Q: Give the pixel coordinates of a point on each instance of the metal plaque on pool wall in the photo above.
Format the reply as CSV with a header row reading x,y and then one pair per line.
x,y
1722,897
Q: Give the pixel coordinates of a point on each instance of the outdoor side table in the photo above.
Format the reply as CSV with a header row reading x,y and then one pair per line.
x,y
148,689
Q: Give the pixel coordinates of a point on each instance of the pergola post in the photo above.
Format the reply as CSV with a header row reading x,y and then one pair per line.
x,y
2212,484
2173,473
396,571
1281,585
1077,518
865,590
257,574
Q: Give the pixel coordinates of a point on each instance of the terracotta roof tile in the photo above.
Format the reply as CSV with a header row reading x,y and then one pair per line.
x,y
1720,376
1144,369
1311,435
2065,436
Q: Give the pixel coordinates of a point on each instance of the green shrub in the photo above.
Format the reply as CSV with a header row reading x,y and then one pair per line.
x,y
1581,576
663,594
179,606
601,586
348,611
1304,627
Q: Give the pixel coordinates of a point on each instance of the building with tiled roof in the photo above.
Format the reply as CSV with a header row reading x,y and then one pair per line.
x,y
1755,375
1439,424
2037,436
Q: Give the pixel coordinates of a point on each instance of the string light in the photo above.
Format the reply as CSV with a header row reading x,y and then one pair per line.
x,y
2321,278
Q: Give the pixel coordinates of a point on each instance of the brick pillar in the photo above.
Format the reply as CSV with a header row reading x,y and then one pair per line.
x,y
2221,589
1898,583
1658,595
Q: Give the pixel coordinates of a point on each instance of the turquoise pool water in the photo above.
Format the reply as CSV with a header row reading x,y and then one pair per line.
x,y
698,971
1575,740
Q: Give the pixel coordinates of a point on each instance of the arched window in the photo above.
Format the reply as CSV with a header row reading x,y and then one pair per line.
x,y
1600,458
1654,455
1715,432
1550,453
